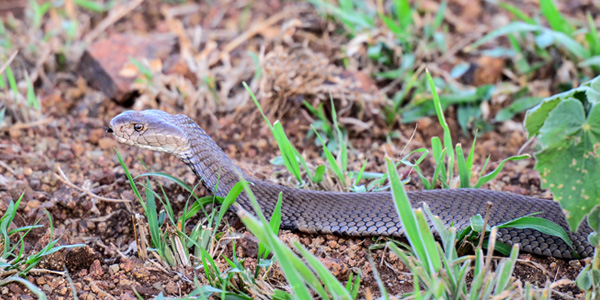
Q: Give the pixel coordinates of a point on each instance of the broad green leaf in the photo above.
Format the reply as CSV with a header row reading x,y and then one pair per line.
x,y
569,162
477,223
594,219
584,280
564,121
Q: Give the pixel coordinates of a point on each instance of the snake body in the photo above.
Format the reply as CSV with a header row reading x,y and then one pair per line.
x,y
352,214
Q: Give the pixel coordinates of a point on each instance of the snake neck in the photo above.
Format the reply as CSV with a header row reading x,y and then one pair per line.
x,y
208,161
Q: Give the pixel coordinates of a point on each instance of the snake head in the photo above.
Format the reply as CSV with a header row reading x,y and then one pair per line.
x,y
149,129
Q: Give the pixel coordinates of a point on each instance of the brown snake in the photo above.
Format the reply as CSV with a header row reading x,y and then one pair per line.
x,y
353,214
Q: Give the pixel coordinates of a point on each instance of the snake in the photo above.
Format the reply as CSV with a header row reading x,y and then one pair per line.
x,y
354,214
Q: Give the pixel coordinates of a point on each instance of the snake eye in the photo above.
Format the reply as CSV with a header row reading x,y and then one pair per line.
x,y
138,127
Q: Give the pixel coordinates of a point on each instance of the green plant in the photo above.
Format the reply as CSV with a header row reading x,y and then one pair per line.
x,y
339,163
2,112
298,274
353,14
174,243
446,156
290,156
582,45
567,127
166,243
14,262
438,270
95,6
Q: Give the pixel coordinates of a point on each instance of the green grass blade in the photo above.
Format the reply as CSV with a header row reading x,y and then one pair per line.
x,y
32,287
478,275
361,172
444,124
439,167
31,99
444,233
489,176
429,242
463,171
152,217
337,290
403,12
2,112
391,25
409,220
319,172
518,12
292,274
353,287
293,268
439,16
471,156
5,222
235,191
592,36
555,19
131,182
287,151
542,225
505,273
330,159
416,164
382,289
517,27
274,224
12,82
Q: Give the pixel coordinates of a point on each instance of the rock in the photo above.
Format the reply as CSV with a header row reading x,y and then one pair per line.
x,y
15,8
113,269
107,143
106,63
487,70
96,270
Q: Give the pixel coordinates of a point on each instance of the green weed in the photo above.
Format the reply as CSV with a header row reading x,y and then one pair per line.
x,y
582,45
567,127
15,263
446,156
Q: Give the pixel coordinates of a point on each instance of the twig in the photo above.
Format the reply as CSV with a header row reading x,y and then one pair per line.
x,y
7,167
240,39
28,125
115,15
103,294
485,222
46,271
62,177
7,63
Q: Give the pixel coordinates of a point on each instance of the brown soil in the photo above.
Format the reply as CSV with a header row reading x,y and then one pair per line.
x,y
70,137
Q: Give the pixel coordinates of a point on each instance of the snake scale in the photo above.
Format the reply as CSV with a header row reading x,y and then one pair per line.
x,y
352,214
